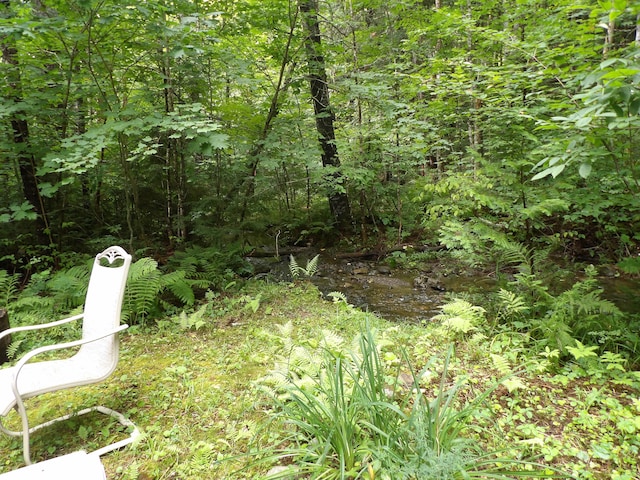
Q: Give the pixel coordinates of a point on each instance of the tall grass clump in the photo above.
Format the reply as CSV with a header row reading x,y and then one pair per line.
x,y
348,411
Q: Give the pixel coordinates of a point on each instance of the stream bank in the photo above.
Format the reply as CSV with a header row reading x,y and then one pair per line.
x,y
406,295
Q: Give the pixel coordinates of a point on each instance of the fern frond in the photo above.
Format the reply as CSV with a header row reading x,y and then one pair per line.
x,y
332,341
545,208
142,268
337,297
179,286
511,305
8,287
294,268
143,288
460,316
13,348
69,287
501,364
312,266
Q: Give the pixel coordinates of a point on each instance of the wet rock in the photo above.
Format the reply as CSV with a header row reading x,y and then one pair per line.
x,y
423,282
608,271
383,269
361,271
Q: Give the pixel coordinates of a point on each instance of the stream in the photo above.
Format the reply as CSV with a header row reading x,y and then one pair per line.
x,y
402,295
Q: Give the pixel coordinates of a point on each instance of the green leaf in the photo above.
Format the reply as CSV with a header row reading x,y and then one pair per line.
x,y
553,171
583,122
585,170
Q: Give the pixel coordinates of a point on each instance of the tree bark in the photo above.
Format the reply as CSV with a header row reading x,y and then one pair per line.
x,y
20,130
338,199
6,341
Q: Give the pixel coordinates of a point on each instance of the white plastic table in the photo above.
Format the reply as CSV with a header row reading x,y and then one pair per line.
x,y
73,466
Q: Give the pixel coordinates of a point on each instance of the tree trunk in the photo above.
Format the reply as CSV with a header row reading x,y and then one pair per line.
x,y
20,131
6,341
285,75
338,199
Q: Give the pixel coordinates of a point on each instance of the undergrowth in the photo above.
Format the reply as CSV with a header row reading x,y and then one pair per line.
x,y
188,383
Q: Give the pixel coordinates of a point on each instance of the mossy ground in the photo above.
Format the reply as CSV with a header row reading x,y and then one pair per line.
x,y
190,393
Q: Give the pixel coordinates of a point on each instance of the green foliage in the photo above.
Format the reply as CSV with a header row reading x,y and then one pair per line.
x,y
195,320
459,317
351,416
511,307
146,295
578,314
478,243
8,286
610,103
297,270
143,290
209,266
569,419
630,265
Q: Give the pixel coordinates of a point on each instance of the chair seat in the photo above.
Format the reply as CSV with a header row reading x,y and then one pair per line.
x,y
74,466
42,377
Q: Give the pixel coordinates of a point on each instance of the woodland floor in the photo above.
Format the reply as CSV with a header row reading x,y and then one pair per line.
x,y
191,393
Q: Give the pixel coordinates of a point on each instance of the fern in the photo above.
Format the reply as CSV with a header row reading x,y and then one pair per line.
x,y
209,266
512,306
460,317
179,286
195,320
312,266
69,287
309,271
338,297
481,242
14,348
8,287
501,364
511,381
630,265
143,288
294,268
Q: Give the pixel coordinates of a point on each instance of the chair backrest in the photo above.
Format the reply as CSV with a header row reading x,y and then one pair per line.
x,y
103,305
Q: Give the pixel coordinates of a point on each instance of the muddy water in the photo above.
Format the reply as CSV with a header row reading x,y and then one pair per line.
x,y
624,292
392,293
414,296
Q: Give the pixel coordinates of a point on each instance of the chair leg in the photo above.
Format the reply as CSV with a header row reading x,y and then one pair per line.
x,y
135,433
26,452
24,434
6,431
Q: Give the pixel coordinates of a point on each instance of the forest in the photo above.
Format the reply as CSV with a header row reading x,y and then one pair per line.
x,y
499,137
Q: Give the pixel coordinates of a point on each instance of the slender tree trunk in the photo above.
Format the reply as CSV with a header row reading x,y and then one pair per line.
x,y
20,129
338,199
608,41
170,152
284,80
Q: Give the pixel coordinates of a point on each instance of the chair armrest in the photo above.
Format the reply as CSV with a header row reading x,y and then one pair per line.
x,y
59,346
42,325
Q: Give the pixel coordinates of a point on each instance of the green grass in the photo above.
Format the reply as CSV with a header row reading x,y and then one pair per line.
x,y
194,395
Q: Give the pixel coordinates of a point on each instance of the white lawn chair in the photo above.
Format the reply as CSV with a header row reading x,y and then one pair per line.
x,y
95,360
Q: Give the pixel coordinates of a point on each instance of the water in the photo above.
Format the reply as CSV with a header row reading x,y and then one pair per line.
x,y
396,294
